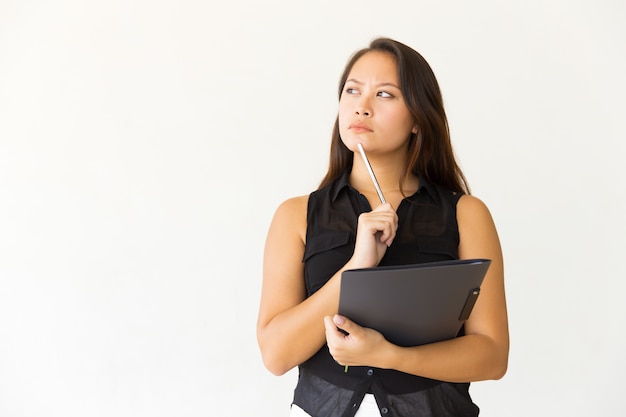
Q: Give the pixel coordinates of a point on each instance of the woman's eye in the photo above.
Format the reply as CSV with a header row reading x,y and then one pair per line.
x,y
350,90
384,94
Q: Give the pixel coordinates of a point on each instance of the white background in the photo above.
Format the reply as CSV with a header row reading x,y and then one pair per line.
x,y
144,146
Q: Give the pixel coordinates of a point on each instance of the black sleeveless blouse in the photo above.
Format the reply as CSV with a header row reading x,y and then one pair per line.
x,y
427,232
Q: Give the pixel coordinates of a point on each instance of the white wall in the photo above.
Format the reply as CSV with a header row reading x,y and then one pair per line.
x,y
144,146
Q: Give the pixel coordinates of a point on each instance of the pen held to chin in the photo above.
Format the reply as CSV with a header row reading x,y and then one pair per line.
x,y
371,172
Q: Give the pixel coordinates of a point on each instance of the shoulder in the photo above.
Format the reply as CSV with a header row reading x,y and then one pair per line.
x,y
293,206
477,230
471,211
291,215
469,205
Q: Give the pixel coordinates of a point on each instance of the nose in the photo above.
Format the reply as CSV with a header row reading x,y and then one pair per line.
x,y
363,108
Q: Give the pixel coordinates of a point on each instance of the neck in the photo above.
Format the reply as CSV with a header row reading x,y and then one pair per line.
x,y
389,173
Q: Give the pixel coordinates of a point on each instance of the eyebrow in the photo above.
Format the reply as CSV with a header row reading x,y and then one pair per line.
x,y
352,80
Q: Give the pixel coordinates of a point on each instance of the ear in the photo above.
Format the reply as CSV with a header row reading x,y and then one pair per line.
x,y
414,130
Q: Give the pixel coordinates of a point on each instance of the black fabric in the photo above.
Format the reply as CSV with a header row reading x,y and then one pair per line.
x,y
320,398
427,232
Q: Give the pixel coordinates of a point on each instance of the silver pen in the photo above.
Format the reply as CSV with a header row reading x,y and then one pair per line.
x,y
371,171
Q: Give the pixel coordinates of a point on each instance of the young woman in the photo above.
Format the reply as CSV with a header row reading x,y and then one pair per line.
x,y
390,102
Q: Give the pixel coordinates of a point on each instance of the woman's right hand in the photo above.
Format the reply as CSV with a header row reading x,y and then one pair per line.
x,y
376,231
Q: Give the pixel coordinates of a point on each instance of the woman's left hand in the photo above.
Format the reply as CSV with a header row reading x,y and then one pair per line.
x,y
360,347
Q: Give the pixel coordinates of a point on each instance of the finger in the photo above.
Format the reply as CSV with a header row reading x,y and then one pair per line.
x,y
383,226
387,234
345,324
385,207
379,220
389,216
328,324
331,329
388,231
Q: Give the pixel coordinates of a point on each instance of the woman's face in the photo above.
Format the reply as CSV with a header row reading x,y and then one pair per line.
x,y
372,110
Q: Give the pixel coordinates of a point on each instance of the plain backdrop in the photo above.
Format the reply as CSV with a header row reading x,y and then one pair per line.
x,y
144,146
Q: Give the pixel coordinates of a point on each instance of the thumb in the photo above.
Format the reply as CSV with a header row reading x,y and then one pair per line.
x,y
344,323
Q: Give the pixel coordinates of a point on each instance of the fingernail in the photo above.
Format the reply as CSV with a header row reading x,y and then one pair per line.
x,y
339,320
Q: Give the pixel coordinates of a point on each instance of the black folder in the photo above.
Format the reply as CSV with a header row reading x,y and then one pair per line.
x,y
413,304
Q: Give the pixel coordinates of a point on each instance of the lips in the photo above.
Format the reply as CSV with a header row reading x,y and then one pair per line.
x,y
359,128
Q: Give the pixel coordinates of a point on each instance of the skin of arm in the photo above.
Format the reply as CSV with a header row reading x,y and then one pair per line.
x,y
479,355
290,327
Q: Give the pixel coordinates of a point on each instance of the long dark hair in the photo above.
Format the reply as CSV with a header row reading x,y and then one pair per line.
x,y
430,152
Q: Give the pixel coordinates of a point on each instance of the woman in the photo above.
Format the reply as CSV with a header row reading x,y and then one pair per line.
x,y
390,102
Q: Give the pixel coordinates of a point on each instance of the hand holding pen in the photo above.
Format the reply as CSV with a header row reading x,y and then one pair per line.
x,y
376,229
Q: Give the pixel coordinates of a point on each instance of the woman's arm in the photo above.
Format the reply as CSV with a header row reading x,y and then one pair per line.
x,y
290,327
481,354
